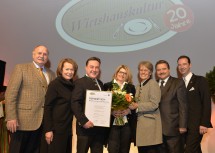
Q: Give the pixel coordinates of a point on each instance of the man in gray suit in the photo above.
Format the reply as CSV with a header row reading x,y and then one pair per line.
x,y
25,96
173,109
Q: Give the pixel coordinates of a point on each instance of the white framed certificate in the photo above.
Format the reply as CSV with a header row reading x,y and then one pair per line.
x,y
98,107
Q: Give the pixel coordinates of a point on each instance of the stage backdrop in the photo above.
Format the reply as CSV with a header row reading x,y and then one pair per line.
x,y
117,31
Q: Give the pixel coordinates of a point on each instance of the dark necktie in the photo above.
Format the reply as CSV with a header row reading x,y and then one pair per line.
x,y
162,84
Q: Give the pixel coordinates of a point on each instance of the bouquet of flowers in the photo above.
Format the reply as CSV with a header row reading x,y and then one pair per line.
x,y
120,101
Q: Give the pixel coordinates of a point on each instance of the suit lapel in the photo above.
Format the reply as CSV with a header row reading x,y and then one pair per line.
x,y
191,82
167,86
35,71
92,85
109,86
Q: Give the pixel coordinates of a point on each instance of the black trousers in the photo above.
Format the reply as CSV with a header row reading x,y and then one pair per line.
x,y
172,144
62,143
119,139
193,142
25,141
94,142
149,149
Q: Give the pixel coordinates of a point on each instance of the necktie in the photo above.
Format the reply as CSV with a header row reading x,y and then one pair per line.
x,y
185,81
41,74
96,83
162,84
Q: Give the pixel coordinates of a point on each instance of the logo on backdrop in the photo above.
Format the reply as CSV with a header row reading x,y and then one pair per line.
x,y
122,25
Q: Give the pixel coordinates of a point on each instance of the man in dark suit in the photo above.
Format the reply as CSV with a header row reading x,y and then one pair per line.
x,y
88,135
173,109
25,97
199,105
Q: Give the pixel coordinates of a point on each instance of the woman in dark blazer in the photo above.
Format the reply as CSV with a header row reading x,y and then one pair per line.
x,y
120,137
57,120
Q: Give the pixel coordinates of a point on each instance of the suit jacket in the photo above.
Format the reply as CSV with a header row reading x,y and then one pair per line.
x,y
25,96
78,105
173,106
149,129
199,103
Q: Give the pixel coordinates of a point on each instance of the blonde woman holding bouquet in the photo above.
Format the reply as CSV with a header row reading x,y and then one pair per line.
x,y
148,94
121,130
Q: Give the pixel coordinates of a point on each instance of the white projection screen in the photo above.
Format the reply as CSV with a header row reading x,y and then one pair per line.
x,y
116,31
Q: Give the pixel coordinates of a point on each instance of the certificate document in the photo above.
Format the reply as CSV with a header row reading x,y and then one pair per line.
x,y
98,107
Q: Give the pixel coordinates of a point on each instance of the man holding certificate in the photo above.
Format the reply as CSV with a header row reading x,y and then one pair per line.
x,y
88,135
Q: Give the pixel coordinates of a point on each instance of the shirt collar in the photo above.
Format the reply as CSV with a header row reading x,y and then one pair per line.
x,y
90,77
37,66
188,76
144,82
114,81
165,80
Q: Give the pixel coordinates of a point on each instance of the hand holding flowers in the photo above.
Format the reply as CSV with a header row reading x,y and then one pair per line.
x,y
133,106
119,113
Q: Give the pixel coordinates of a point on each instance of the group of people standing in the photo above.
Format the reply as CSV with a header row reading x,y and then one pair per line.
x,y
169,115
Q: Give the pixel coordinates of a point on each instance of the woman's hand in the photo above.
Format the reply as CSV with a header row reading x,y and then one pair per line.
x,y
133,106
49,137
125,112
203,129
116,113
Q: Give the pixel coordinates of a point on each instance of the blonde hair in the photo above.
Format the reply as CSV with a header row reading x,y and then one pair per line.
x,y
148,65
129,75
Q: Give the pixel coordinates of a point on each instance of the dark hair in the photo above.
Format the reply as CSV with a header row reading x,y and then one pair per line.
x,y
61,65
162,62
184,56
93,59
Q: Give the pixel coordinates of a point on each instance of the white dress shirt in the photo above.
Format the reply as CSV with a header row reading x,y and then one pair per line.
x,y
187,78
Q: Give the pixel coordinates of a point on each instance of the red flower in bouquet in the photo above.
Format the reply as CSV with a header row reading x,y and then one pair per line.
x,y
128,98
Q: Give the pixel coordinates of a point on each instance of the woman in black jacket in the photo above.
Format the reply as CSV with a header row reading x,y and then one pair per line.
x,y
57,121
120,136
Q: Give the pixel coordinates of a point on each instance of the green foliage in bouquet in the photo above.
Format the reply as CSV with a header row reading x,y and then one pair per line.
x,y
120,99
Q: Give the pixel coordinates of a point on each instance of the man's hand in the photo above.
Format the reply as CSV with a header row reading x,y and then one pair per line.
x,y
203,129
12,125
88,125
49,137
182,130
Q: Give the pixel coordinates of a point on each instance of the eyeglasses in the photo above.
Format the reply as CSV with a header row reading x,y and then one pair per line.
x,y
122,73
